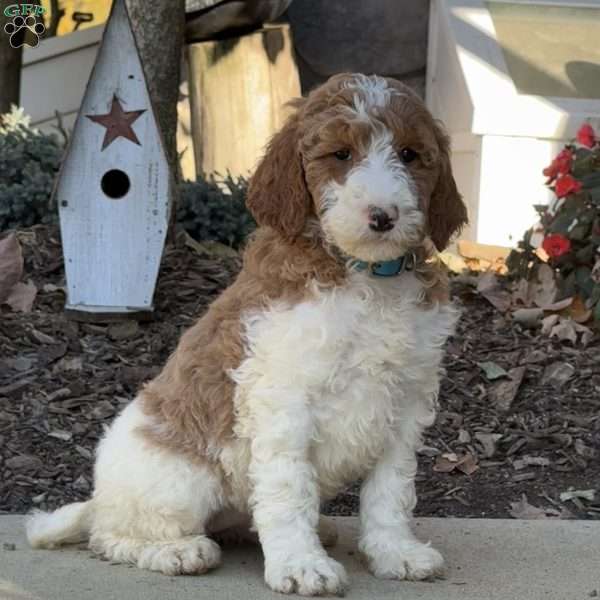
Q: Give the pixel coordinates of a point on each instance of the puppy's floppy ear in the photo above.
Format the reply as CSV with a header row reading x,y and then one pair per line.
x,y
447,211
278,195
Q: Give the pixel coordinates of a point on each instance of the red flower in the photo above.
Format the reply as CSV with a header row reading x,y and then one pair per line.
x,y
556,245
586,136
561,165
566,185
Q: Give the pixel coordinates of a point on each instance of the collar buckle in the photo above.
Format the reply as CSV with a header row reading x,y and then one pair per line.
x,y
389,268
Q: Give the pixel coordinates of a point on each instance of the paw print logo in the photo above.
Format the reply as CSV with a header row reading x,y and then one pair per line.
x,y
24,31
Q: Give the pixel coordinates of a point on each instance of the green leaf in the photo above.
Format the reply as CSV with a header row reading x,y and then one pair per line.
x,y
590,181
583,163
586,254
597,312
580,231
584,281
492,370
567,286
595,296
594,194
563,221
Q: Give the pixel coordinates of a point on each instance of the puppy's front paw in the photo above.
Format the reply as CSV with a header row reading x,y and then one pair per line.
x,y
307,574
411,560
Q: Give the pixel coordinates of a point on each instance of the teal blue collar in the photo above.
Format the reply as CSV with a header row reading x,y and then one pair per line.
x,y
387,268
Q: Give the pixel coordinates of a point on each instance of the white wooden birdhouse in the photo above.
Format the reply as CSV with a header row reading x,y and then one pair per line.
x,y
115,186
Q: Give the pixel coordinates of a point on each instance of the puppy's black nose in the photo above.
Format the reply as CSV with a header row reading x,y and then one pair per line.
x,y
380,220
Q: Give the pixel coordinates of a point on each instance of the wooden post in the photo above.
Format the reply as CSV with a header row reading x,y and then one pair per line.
x,y
238,89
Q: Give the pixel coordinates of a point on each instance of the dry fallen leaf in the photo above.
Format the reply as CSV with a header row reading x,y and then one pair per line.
x,y
543,290
520,292
11,265
557,374
503,393
468,464
482,257
558,306
549,322
445,463
566,329
489,287
450,461
455,263
22,297
523,510
539,291
488,442
579,312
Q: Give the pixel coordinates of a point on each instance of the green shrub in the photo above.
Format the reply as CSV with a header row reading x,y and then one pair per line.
x,y
215,210
29,162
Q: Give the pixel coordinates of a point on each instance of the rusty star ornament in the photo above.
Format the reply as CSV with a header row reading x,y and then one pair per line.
x,y
118,123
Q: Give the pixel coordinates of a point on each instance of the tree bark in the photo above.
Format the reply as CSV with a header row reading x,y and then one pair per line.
x,y
158,27
10,69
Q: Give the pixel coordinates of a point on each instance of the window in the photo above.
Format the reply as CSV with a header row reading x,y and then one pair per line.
x,y
550,50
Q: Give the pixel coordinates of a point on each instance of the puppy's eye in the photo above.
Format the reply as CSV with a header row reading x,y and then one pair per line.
x,y
407,155
343,154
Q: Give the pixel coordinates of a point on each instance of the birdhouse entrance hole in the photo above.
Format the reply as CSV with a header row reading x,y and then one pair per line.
x,y
115,183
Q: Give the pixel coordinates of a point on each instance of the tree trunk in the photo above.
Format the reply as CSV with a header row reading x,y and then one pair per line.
x,y
158,28
10,69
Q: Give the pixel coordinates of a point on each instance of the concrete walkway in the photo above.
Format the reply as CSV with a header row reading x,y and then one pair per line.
x,y
487,560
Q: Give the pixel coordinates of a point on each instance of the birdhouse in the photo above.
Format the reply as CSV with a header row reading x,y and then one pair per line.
x,y
115,186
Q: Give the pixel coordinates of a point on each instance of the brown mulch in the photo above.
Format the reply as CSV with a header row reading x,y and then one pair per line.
x,y
532,431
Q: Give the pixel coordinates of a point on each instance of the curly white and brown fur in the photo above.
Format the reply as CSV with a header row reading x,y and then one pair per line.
x,y
307,372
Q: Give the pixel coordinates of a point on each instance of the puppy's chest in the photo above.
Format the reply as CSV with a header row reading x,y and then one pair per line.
x,y
379,378
365,357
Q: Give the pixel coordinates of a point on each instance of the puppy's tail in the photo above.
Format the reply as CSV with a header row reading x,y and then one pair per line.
x,y
67,525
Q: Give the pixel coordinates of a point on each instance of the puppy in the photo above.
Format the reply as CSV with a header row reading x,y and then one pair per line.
x,y
318,366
